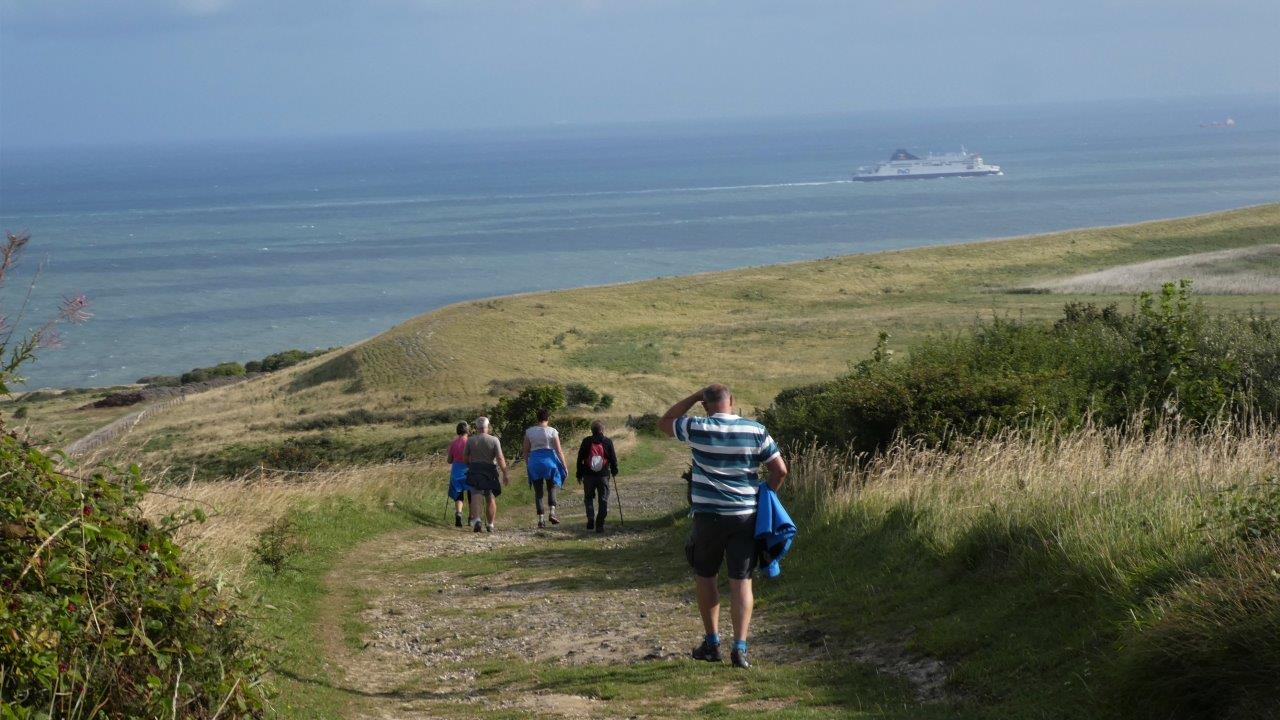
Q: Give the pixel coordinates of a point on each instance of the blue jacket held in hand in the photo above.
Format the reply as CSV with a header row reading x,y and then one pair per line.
x,y
774,531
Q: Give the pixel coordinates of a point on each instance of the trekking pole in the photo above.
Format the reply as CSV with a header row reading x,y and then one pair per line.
x,y
617,492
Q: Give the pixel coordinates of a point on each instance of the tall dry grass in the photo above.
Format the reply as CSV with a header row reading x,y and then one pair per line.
x,y
1107,500
239,509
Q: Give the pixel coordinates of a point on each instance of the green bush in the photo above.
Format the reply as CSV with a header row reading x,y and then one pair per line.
x,y
282,360
512,415
277,544
646,424
21,412
580,394
102,618
227,369
1167,358
605,402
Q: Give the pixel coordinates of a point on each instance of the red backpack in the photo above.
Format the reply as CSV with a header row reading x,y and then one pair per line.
x,y
597,459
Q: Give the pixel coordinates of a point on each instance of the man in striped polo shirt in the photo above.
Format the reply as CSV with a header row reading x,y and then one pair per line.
x,y
727,454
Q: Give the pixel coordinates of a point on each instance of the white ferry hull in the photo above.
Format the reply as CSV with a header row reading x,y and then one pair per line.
x,y
925,176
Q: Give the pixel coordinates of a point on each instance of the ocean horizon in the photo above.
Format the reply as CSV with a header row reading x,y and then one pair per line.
x,y
197,254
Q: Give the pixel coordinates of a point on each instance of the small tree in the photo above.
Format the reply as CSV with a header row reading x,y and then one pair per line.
x,y
512,415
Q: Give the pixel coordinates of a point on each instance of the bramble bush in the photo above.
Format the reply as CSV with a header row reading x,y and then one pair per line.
x,y
1167,359
99,615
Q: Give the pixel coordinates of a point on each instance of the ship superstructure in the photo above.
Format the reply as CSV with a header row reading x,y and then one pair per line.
x,y
905,166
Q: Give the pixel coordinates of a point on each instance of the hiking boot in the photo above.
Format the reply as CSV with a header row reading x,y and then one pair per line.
x,y
708,652
542,524
487,528
475,526
739,658
552,517
591,524
600,528
457,519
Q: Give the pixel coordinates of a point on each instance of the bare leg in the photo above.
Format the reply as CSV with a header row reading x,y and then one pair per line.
x,y
741,601
457,506
708,604
477,506
493,509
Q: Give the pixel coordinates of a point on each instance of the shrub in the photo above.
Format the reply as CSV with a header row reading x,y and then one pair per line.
x,y
282,360
227,369
277,544
1166,358
100,615
512,415
580,394
21,412
605,402
646,424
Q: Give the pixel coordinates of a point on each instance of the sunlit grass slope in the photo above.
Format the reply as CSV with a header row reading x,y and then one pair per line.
x,y
760,329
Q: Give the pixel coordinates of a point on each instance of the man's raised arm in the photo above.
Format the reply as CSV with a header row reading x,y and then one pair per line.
x,y
667,423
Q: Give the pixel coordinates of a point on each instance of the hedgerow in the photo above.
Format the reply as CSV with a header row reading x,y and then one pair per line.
x,y
99,615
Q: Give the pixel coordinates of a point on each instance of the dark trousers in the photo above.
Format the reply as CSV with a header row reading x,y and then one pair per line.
x,y
550,486
593,487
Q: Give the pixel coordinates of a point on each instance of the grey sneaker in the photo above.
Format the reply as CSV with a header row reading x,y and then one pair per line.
x,y
739,658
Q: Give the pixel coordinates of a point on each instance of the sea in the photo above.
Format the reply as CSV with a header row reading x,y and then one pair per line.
x,y
193,254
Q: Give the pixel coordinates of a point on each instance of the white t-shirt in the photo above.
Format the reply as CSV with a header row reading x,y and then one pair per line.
x,y
541,437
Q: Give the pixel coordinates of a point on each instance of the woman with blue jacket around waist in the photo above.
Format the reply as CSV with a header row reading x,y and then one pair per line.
x,y
545,464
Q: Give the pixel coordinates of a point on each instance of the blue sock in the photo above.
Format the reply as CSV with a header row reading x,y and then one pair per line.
x,y
740,645
712,639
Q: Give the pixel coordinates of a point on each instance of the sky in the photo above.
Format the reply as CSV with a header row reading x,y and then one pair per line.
x,y
140,71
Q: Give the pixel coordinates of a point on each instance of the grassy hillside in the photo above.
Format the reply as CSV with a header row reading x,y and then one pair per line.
x,y
647,342
1088,573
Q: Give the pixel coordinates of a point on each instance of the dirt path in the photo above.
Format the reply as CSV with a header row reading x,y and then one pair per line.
x,y
441,622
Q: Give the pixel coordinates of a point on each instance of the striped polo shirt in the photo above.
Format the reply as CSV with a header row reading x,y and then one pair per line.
x,y
727,453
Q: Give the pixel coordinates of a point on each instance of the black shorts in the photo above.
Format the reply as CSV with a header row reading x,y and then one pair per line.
x,y
730,539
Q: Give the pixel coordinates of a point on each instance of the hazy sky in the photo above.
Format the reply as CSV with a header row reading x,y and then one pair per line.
x,y
76,71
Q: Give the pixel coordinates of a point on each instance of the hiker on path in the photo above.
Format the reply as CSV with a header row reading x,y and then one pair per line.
x,y
597,464
458,471
544,460
727,453
484,459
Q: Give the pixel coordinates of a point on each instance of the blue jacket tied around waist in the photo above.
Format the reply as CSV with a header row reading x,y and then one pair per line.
x,y
774,530
457,479
544,464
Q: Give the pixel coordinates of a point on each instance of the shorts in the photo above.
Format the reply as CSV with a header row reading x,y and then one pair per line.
x,y
716,539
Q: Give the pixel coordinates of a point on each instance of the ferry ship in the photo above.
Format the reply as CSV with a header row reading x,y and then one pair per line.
x,y
905,166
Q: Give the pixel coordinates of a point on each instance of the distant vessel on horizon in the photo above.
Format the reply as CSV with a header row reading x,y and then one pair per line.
x,y
905,166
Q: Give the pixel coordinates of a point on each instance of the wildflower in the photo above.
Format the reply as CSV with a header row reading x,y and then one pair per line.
x,y
87,510
50,340
75,309
71,608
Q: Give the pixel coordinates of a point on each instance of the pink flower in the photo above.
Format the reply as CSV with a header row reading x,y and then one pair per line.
x,y
50,340
75,309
